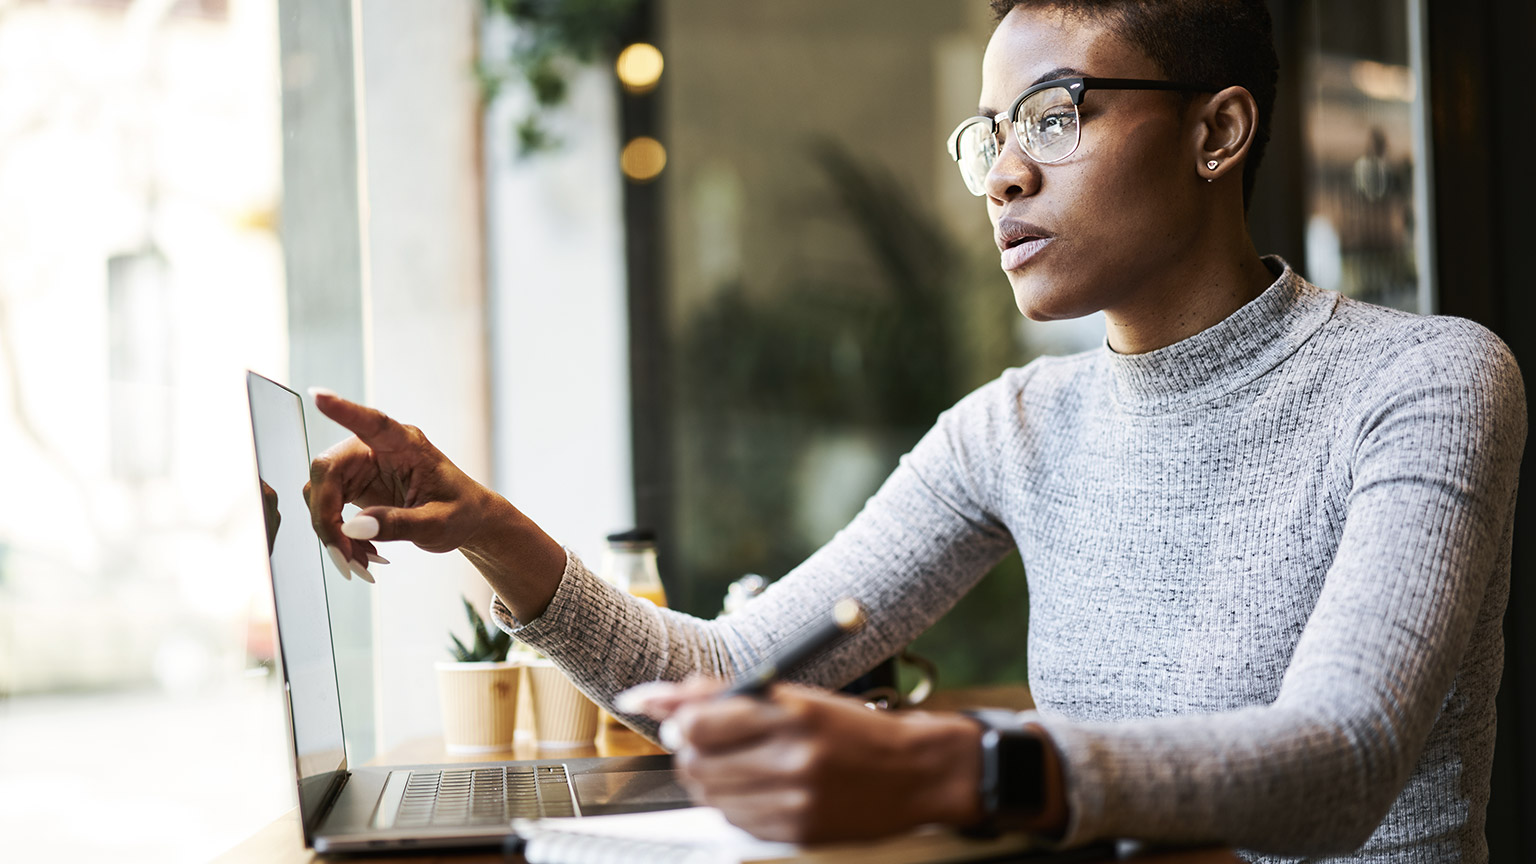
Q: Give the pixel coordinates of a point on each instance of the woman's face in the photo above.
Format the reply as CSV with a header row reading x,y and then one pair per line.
x,y
1095,230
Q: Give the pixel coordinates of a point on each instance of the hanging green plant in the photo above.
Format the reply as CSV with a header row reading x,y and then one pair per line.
x,y
551,39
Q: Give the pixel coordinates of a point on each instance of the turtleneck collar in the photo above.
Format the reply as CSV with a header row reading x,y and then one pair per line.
x,y
1226,356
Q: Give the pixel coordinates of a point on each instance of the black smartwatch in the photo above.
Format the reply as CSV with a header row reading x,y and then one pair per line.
x,y
1012,773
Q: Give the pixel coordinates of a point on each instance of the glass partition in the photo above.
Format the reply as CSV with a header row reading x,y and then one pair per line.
x,y
830,286
1363,115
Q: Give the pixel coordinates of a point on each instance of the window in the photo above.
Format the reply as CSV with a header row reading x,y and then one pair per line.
x,y
140,273
826,286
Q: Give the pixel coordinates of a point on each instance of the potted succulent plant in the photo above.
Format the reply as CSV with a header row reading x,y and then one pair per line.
x,y
478,690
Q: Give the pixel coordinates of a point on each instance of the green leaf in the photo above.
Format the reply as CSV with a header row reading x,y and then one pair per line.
x,y
532,137
459,652
547,82
482,638
501,645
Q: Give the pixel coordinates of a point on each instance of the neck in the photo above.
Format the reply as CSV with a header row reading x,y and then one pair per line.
x,y
1194,293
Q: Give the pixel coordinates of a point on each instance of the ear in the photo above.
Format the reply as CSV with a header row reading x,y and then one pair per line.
x,y
1225,124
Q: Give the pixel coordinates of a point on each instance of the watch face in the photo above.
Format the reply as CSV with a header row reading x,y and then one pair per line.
x,y
1020,774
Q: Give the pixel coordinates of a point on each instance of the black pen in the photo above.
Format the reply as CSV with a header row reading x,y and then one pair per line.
x,y
847,616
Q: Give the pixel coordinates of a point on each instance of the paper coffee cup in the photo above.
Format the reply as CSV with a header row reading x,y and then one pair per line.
x,y
563,717
479,702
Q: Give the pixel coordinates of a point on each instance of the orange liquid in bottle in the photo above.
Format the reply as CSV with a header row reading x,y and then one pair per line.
x,y
655,594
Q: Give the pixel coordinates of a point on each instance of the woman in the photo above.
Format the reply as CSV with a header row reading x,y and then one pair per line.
x,y
1266,528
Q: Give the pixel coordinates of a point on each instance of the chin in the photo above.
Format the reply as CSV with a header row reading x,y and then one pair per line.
x,y
1038,302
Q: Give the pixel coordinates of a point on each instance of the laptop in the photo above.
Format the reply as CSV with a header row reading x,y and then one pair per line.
x,y
402,807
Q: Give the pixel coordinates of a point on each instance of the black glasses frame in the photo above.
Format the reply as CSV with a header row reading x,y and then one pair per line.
x,y
1076,88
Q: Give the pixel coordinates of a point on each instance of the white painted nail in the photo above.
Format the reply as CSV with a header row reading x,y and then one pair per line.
x,y
340,561
377,559
360,572
633,700
670,736
322,391
361,527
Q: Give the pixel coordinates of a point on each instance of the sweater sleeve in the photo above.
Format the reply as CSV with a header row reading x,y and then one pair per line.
x,y
919,543
1428,527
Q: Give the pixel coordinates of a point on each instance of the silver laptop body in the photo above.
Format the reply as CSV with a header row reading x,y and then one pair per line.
x,y
408,806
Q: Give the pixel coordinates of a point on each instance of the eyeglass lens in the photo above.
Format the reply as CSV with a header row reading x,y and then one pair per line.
x,y
977,148
1047,129
1047,125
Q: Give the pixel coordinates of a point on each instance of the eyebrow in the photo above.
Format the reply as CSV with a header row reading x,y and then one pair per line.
x,y
1053,75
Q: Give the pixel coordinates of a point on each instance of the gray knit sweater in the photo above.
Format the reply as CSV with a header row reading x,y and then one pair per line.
x,y
1267,567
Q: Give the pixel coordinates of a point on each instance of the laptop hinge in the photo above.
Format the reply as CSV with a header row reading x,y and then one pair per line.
x,y
332,795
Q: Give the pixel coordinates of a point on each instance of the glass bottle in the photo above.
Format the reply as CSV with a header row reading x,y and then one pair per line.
x,y
629,563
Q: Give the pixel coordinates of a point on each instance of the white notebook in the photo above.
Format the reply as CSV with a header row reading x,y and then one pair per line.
x,y
700,835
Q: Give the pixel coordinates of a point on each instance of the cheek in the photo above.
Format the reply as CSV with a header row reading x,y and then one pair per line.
x,y
1134,184
1131,214
1124,192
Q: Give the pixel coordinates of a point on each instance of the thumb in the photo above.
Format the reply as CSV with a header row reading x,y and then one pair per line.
x,y
427,525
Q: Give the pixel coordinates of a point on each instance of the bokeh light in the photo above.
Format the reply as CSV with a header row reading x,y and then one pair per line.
x,y
639,67
642,159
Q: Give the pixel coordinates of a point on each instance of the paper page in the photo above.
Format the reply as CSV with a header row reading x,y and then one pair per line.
x,y
702,832
702,835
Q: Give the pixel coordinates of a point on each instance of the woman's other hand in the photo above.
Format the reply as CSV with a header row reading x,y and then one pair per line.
x,y
807,766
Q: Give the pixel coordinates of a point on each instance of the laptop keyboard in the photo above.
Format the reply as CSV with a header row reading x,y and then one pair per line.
x,y
484,796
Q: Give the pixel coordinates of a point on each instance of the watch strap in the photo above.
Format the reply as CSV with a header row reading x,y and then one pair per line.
x,y
1012,785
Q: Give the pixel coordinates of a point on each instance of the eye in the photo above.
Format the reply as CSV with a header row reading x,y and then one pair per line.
x,y
1056,122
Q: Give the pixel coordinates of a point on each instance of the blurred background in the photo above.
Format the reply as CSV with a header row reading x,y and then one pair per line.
x,y
694,266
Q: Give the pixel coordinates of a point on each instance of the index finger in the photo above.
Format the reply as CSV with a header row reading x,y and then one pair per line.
x,y
372,426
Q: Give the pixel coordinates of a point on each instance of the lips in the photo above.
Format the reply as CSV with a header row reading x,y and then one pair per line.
x,y
1020,241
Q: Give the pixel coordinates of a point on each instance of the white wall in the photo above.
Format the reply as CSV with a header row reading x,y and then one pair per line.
x,y
561,345
424,314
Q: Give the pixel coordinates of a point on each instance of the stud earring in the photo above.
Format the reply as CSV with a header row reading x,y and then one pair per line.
x,y
1212,164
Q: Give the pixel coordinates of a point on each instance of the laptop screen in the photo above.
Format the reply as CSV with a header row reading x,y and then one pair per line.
x,y
298,588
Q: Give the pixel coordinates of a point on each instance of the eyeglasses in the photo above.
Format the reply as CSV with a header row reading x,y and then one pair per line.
x,y
1045,123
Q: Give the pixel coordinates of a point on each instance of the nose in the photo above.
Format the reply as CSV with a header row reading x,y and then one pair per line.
x,y
1013,174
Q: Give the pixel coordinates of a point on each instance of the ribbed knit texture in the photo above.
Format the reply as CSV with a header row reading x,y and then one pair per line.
x,y
1267,568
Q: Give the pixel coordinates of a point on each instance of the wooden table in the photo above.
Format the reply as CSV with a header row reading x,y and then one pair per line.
x,y
282,842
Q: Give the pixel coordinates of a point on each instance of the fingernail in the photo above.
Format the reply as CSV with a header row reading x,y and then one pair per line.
x,y
670,736
340,561
361,527
360,572
322,391
377,559
632,701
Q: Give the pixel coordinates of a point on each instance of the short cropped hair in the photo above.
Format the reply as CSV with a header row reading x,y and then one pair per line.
x,y
1216,42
